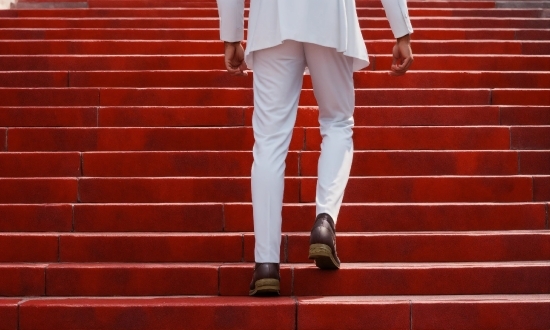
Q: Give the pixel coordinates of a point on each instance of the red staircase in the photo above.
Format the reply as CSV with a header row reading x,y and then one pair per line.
x,y
125,163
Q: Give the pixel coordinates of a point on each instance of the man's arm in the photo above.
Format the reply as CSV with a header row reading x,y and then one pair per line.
x,y
398,16
231,14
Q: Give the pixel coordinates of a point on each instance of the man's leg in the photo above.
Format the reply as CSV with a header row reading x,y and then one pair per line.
x,y
278,75
332,77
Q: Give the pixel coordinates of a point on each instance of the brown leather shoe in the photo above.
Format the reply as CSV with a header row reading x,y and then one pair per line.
x,y
265,280
322,243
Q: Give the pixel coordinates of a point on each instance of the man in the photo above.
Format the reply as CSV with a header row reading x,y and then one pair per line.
x,y
285,37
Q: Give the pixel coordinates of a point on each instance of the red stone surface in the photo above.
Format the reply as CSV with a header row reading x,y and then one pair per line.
x,y
40,164
431,247
34,79
507,313
20,280
28,247
169,116
423,279
142,139
38,190
422,138
402,217
176,164
150,247
430,189
35,218
159,313
530,115
148,217
9,314
399,163
48,116
534,162
114,279
530,137
174,190
348,313
541,188
521,97
50,96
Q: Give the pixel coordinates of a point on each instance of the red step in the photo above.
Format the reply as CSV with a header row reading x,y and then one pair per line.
x,y
17,97
29,247
38,190
307,116
541,188
158,313
67,279
21,280
36,164
377,163
149,217
36,217
190,47
214,34
9,313
48,116
364,79
530,137
425,247
34,79
170,23
534,162
382,217
210,62
521,96
525,115
223,138
150,247
213,12
425,312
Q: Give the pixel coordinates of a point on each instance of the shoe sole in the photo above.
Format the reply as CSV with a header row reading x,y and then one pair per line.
x,y
265,287
322,254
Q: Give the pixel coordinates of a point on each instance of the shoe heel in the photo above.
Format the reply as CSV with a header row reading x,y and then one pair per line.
x,y
266,286
322,254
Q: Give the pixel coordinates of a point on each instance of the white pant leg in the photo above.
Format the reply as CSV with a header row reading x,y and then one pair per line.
x,y
332,77
278,76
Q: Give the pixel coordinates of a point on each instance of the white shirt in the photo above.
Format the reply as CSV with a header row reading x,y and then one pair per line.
x,y
330,23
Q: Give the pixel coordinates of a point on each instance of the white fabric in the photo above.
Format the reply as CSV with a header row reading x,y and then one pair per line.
x,y
330,23
278,76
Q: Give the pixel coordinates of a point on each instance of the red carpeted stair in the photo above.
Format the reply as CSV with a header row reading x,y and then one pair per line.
x,y
126,154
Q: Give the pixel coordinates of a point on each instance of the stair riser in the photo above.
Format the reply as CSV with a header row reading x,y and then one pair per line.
x,y
209,62
178,79
213,13
296,217
213,34
169,47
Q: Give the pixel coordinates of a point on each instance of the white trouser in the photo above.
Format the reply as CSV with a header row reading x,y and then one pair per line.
x,y
278,75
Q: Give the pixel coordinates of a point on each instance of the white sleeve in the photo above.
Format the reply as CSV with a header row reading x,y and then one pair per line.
x,y
231,20
398,16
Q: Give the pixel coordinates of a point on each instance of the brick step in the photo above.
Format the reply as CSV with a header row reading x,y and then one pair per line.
x,y
225,138
200,139
211,62
213,12
239,116
168,23
418,189
235,247
208,164
353,279
214,34
210,4
189,47
237,217
384,312
243,97
219,78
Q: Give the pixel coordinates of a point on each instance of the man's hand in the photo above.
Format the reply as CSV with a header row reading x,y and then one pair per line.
x,y
402,56
234,59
